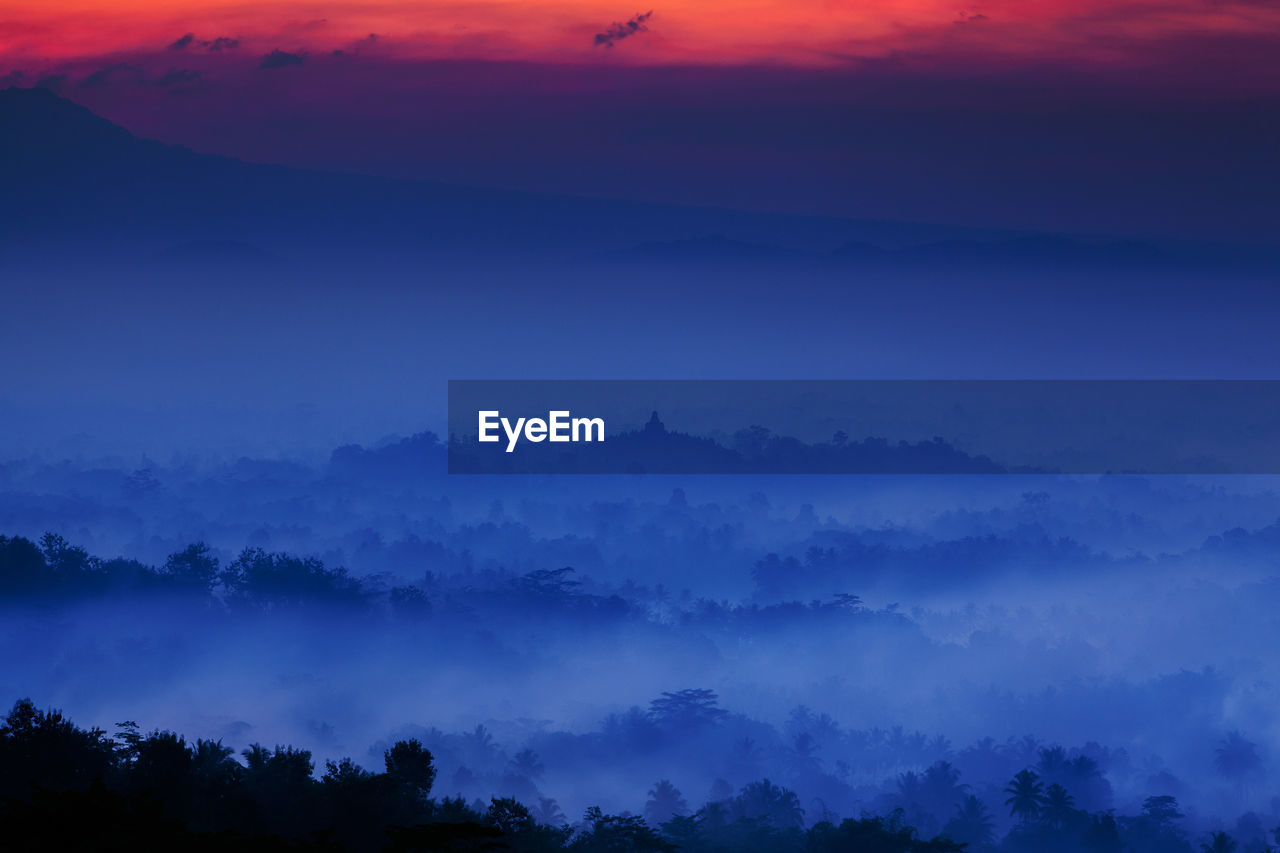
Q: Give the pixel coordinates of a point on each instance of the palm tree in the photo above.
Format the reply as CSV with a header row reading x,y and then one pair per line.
x,y
1058,806
972,824
1052,763
1026,795
744,760
526,764
548,812
804,754
1237,759
1024,751
909,789
766,801
940,787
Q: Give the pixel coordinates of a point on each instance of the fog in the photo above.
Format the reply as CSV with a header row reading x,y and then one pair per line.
x,y
1127,619
295,356
853,630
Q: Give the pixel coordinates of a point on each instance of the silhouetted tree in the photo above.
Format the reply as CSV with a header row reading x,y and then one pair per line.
x,y
1026,795
1219,842
605,833
687,710
548,812
409,764
665,802
43,749
972,824
526,764
1237,759
769,803
1057,807
193,568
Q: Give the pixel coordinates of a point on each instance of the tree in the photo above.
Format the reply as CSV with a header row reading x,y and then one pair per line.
x,y
23,570
687,709
46,750
769,803
940,788
803,754
71,565
606,833
1219,842
548,812
272,580
1102,835
1058,806
875,834
193,568
1026,794
665,802
409,603
509,816
1052,764
1237,759
411,765
213,764
345,772
162,764
280,781
526,764
548,583
972,824
1162,810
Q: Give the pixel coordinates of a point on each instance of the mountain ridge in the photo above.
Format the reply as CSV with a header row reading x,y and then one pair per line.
x,y
71,174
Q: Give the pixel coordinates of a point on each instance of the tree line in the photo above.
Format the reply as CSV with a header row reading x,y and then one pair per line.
x,y
66,787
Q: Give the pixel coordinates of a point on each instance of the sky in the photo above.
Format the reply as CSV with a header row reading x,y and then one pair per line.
x,y
806,33
1148,118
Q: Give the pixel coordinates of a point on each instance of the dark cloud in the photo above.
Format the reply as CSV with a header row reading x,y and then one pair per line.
x,y
617,32
213,45
13,78
177,77
104,75
360,45
966,18
281,59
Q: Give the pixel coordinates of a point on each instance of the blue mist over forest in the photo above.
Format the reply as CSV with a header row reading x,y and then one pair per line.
x,y
226,515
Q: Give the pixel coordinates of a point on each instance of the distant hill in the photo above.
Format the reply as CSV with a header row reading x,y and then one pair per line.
x,y
70,175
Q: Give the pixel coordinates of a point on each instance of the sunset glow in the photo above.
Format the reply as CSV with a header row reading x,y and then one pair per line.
x,y
806,33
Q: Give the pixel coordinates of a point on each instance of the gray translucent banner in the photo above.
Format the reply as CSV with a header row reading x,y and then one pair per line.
x,y
864,426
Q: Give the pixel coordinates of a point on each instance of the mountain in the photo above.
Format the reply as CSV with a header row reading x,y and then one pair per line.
x,y
69,175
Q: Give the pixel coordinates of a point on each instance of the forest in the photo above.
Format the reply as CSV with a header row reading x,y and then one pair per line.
x,y
66,787
805,783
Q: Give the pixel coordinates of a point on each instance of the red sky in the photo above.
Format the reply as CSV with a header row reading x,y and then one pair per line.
x,y
1101,33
